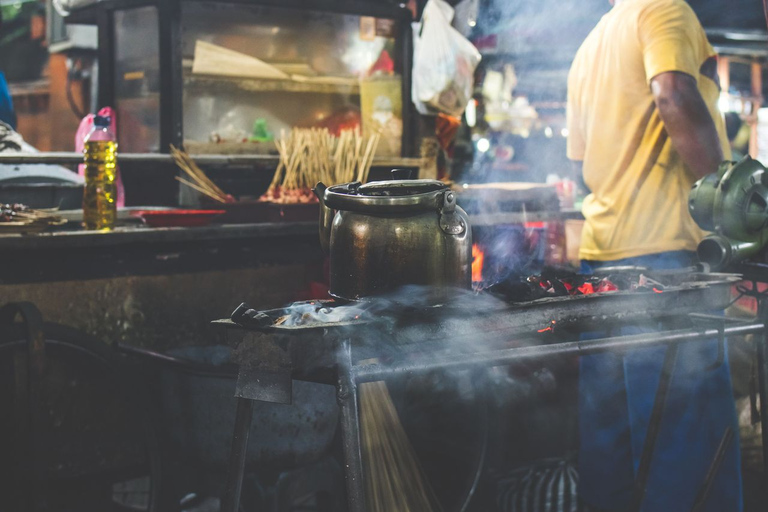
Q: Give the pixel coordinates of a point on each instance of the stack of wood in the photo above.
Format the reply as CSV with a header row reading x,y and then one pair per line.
x,y
311,155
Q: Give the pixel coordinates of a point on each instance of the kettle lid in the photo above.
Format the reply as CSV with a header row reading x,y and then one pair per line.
x,y
398,188
393,196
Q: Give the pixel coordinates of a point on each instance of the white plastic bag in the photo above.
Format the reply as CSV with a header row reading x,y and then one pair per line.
x,y
444,63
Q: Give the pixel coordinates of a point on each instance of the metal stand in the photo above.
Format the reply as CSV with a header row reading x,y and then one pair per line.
x,y
29,369
654,426
348,376
701,498
237,455
346,392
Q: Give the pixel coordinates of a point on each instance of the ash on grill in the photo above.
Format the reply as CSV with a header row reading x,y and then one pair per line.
x,y
314,312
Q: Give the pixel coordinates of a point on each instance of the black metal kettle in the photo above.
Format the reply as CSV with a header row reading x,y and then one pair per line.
x,y
387,234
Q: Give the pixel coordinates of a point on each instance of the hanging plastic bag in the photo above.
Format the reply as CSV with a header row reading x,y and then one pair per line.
x,y
444,63
85,127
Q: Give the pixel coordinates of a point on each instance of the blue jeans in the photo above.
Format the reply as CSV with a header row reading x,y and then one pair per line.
x,y
616,395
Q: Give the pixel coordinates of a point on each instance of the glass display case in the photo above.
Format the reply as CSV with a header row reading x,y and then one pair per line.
x,y
137,79
227,77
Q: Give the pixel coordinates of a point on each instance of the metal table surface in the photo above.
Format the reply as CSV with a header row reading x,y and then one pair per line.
x,y
68,252
133,234
137,250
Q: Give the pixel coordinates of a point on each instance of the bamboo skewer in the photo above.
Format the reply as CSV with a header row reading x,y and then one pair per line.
x,y
190,167
200,189
365,164
202,183
395,480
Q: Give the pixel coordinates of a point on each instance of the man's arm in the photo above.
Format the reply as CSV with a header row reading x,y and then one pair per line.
x,y
687,121
577,167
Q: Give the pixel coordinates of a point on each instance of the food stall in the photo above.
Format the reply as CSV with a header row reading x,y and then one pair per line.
x,y
236,80
225,88
247,339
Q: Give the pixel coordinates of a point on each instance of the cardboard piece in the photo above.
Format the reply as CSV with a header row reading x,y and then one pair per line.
x,y
211,59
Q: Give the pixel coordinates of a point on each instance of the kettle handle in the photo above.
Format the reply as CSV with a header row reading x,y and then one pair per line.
x,y
326,218
402,174
449,202
450,222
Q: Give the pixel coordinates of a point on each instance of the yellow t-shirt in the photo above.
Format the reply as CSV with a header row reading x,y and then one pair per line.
x,y
639,184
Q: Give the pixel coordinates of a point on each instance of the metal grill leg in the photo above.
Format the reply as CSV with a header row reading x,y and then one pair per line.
x,y
701,498
346,390
236,470
29,370
654,425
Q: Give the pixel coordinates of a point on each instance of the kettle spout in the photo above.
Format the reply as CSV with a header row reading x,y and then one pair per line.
x,y
326,218
319,191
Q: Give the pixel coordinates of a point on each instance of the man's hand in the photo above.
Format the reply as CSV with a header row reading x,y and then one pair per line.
x,y
687,121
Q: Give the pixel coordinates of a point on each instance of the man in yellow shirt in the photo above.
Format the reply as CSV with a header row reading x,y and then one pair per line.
x,y
643,125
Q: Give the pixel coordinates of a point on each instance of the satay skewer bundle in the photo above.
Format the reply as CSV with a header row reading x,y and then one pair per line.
x,y
308,156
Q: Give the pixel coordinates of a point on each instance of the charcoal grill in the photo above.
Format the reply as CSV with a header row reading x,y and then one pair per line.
x,y
471,332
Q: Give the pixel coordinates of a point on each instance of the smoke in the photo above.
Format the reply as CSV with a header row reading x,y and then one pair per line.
x,y
319,312
409,323
439,410
411,302
420,319
540,38
452,321
521,134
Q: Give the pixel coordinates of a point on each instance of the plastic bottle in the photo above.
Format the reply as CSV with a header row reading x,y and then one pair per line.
x,y
100,196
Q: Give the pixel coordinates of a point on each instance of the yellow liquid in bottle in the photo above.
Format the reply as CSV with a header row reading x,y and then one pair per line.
x,y
100,196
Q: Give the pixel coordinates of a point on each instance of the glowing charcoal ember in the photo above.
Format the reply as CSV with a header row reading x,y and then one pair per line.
x,y
607,286
551,327
478,257
550,284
